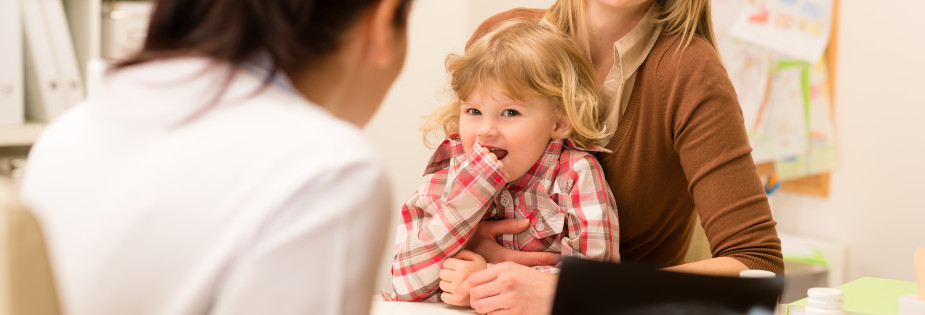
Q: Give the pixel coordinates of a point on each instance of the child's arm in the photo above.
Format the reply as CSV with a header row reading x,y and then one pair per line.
x,y
591,216
438,219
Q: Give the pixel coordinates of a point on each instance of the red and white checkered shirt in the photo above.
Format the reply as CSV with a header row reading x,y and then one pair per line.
x,y
571,210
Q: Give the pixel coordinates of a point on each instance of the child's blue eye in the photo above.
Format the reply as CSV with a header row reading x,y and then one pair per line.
x,y
473,111
510,112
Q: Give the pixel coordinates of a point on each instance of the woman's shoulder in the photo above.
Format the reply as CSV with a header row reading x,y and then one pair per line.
x,y
493,21
676,54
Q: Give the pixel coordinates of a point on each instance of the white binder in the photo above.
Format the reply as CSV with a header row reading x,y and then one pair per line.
x,y
44,97
11,73
63,50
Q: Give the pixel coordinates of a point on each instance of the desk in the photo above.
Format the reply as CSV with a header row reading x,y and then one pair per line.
x,y
417,308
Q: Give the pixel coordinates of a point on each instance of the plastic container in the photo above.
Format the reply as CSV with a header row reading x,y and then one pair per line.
x,y
825,301
755,273
911,305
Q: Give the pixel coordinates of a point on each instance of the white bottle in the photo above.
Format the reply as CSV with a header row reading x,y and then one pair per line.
x,y
824,301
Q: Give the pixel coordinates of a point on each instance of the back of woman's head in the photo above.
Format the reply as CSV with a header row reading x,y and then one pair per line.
x,y
294,34
524,59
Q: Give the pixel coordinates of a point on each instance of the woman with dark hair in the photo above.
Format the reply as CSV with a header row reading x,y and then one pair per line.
x,y
221,170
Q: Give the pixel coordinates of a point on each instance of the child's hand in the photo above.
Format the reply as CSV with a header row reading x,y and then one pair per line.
x,y
456,270
493,157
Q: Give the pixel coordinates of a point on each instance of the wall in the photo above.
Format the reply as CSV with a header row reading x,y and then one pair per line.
x,y
876,206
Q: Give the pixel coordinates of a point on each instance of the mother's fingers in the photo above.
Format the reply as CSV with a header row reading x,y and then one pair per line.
x,y
489,288
489,305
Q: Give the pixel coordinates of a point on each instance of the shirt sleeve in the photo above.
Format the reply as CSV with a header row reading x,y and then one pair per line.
x,y
591,214
713,148
317,252
437,221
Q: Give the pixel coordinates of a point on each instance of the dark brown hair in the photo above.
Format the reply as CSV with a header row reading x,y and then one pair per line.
x,y
294,34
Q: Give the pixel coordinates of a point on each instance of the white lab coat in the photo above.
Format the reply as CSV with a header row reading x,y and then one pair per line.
x,y
264,204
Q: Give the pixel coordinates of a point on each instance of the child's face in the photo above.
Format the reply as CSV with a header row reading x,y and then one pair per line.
x,y
516,131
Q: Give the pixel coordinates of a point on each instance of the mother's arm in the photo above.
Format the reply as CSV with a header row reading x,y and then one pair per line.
x,y
484,242
712,145
722,266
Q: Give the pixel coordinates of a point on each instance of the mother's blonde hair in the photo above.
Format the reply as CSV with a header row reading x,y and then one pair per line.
x,y
685,17
525,59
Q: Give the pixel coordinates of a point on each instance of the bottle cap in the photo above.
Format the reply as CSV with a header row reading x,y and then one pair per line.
x,y
754,273
825,298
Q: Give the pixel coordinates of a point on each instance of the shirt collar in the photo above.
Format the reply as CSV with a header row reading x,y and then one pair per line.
x,y
452,148
632,49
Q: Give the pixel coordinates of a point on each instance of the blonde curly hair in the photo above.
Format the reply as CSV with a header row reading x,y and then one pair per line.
x,y
525,59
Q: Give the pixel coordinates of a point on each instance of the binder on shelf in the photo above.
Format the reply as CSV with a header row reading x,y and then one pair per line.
x,y
11,73
44,99
53,83
63,50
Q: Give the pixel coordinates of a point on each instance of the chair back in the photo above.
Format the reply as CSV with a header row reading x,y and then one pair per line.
x,y
26,282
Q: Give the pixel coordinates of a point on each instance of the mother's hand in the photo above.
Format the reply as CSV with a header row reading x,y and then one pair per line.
x,y
509,288
483,242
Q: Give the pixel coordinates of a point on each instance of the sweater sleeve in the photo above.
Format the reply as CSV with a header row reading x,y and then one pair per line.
x,y
712,145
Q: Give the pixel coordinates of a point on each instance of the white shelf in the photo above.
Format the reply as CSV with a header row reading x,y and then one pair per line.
x,y
25,135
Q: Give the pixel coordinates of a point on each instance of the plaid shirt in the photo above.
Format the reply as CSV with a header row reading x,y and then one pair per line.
x,y
571,210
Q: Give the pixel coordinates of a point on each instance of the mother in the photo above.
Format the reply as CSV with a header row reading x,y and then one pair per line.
x,y
680,150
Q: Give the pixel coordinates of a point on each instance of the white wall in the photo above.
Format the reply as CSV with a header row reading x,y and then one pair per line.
x,y
877,201
437,28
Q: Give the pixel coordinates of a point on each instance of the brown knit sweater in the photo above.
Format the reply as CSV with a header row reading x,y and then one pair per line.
x,y
680,150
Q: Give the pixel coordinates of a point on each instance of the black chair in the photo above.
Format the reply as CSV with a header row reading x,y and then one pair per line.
x,y
593,287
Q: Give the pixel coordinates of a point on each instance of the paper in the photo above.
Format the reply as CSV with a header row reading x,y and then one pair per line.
x,y
724,14
782,125
796,28
869,296
749,70
821,155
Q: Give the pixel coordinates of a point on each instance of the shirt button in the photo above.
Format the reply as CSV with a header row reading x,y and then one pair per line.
x,y
504,201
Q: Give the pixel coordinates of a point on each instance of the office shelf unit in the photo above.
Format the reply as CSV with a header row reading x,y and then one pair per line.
x,y
84,20
84,23
25,135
